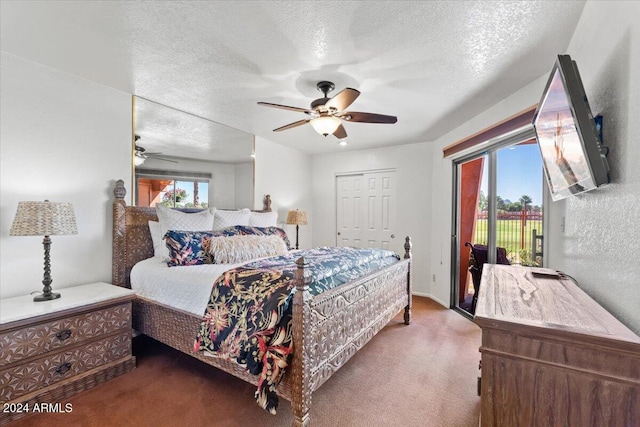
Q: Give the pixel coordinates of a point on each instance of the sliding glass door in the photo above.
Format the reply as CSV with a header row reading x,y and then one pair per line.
x,y
519,188
472,223
498,214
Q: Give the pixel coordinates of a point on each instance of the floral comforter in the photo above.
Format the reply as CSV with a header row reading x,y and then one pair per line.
x,y
249,315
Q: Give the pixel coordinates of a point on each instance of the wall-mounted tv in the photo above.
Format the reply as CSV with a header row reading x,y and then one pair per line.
x,y
573,157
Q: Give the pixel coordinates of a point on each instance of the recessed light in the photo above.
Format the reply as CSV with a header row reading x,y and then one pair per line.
x,y
343,142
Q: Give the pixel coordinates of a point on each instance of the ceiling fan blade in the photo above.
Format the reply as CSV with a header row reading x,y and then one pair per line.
x,y
340,133
292,125
354,116
343,99
163,159
285,107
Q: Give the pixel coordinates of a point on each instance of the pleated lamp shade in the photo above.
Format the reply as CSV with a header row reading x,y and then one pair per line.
x,y
297,217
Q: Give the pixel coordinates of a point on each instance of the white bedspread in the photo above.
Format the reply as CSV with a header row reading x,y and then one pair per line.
x,y
184,288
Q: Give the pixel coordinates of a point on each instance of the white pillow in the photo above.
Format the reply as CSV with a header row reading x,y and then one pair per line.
x,y
263,219
233,249
171,219
156,237
224,219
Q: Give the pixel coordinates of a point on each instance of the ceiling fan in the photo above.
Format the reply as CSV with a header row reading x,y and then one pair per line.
x,y
142,154
327,113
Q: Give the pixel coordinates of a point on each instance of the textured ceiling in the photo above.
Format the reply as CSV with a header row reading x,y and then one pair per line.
x,y
168,132
433,64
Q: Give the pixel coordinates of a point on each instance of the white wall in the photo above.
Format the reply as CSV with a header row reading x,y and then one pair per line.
x,y
285,174
601,241
600,244
64,139
414,198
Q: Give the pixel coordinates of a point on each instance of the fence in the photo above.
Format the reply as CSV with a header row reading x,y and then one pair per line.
x,y
514,231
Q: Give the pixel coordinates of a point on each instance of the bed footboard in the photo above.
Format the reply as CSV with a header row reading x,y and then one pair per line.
x,y
331,327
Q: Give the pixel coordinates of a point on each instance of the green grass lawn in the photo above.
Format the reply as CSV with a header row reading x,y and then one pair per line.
x,y
509,235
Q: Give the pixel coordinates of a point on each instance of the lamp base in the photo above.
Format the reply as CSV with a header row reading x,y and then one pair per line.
x,y
46,297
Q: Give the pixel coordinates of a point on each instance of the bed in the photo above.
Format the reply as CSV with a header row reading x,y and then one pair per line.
x,y
351,314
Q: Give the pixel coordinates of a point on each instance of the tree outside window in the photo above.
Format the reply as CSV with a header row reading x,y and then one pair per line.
x,y
175,197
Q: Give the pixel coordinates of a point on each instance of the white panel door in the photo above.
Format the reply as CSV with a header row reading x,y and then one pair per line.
x,y
380,220
349,203
366,210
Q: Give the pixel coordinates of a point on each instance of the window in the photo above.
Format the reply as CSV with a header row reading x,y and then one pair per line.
x,y
170,189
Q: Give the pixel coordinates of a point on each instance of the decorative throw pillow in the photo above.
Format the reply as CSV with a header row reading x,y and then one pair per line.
x,y
263,219
171,219
156,237
224,219
188,247
242,230
233,249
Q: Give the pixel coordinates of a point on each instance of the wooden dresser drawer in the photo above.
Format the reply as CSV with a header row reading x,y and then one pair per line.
x,y
41,338
21,379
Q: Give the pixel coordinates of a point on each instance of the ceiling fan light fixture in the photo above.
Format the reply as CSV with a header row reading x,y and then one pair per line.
x,y
325,125
327,113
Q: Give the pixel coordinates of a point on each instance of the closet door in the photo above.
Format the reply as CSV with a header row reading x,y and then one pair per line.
x,y
349,201
366,210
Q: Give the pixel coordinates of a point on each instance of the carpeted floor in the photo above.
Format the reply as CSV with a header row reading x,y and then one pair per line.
x,y
423,374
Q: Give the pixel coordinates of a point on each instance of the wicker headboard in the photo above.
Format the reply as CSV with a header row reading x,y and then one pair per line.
x,y
131,237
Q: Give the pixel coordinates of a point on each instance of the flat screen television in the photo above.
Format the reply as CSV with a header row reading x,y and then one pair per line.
x,y
573,157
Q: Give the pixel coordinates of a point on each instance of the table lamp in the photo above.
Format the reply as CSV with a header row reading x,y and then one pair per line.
x,y
298,218
44,219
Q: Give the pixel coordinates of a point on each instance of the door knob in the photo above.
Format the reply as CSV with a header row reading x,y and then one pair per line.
x,y
339,234
393,236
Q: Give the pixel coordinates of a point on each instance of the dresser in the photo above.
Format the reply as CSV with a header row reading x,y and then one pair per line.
x,y
52,350
551,355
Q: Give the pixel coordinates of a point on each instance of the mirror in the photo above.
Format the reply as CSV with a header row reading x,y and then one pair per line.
x,y
184,160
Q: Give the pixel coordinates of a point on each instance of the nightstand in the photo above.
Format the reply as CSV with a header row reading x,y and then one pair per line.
x,y
52,350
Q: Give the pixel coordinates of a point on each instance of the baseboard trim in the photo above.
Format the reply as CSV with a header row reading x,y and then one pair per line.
x,y
422,294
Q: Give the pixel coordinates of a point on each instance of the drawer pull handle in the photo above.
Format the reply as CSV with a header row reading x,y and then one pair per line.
x,y
64,334
63,369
